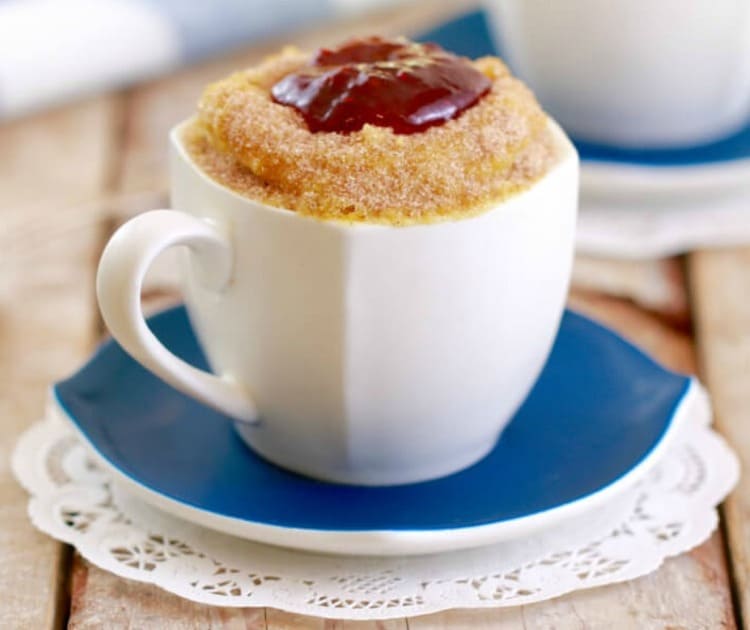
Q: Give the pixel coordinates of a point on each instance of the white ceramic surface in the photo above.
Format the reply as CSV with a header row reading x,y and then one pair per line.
x,y
348,351
646,73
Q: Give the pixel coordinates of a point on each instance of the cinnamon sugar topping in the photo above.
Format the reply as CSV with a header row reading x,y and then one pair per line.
x,y
262,149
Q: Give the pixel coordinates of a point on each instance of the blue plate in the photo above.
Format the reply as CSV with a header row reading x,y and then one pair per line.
x,y
470,35
598,416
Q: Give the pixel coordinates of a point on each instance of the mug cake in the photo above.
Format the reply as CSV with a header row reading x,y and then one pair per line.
x,y
374,130
379,238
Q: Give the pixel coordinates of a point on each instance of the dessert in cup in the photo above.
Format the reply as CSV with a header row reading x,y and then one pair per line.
x,y
379,242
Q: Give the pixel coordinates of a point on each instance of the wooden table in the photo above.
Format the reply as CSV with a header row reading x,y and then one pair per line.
x,y
69,176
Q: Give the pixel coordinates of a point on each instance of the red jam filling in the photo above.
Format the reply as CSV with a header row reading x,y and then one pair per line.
x,y
389,83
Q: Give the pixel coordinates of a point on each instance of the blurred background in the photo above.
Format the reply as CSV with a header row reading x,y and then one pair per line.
x,y
56,51
656,95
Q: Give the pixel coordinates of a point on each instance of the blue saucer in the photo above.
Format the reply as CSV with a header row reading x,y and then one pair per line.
x,y
597,417
470,35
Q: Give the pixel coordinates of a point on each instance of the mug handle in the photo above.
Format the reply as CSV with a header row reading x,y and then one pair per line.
x,y
123,265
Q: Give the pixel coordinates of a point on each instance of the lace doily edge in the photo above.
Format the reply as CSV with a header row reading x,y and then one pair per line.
x,y
345,613
33,480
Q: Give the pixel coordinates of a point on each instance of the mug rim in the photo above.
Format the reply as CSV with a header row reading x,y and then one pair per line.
x,y
568,153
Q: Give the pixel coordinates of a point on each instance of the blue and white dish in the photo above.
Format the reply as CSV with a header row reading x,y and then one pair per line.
x,y
599,417
618,173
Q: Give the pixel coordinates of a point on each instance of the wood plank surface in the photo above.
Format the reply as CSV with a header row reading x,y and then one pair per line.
x,y
280,620
654,285
49,166
687,593
720,284
102,600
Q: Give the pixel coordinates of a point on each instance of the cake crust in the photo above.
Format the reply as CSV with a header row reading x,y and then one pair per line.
x,y
264,150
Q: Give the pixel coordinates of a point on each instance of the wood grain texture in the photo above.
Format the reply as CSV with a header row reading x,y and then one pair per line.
x,y
720,286
280,620
100,599
654,285
47,163
688,592
103,600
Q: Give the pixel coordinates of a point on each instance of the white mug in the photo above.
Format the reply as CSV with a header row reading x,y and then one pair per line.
x,y
355,353
633,73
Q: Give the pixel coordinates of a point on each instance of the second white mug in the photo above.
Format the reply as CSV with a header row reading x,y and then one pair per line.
x,y
635,73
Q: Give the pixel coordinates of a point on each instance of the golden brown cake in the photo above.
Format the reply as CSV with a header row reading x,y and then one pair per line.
x,y
246,140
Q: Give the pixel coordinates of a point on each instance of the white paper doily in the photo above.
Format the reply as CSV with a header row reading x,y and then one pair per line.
x,y
670,511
